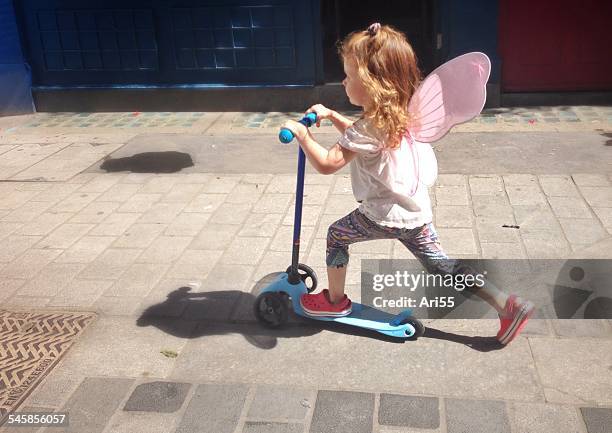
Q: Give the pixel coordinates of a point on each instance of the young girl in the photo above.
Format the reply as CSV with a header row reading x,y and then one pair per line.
x,y
381,76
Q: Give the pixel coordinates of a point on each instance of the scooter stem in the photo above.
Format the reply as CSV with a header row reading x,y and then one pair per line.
x,y
294,276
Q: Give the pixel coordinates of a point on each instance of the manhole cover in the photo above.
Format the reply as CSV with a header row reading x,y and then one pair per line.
x,y
31,344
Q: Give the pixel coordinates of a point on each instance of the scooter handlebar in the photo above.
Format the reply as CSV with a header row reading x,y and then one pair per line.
x,y
286,136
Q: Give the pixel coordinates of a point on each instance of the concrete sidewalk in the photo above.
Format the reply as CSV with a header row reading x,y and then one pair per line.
x,y
193,246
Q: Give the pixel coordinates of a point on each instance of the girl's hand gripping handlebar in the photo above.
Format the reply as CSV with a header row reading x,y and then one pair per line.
x,y
286,136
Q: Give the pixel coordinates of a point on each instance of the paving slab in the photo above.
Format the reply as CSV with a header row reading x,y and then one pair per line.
x,y
225,352
558,186
165,397
93,403
565,379
141,422
118,347
543,418
281,402
214,408
597,420
476,416
271,427
477,374
409,411
343,412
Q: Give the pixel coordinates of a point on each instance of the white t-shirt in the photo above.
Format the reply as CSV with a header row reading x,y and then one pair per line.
x,y
390,183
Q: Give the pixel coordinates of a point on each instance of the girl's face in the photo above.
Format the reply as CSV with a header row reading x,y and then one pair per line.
x,y
353,86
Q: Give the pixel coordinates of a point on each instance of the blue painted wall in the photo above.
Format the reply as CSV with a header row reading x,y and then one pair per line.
x,y
15,77
169,42
470,25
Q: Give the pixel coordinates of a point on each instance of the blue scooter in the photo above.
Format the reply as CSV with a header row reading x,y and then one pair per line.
x,y
272,305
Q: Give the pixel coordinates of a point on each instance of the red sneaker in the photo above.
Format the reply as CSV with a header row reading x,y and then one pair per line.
x,y
318,305
514,318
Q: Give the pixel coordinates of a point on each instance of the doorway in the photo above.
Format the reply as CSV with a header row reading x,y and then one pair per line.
x,y
341,17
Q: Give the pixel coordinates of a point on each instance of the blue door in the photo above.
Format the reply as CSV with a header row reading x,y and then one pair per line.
x,y
245,42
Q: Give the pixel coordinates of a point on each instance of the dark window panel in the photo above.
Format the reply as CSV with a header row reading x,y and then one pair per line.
x,y
241,17
111,60
185,59
202,18
224,58
73,61
284,57
146,40
204,39
92,60
143,20
223,39
70,40
51,41
181,19
245,58
282,17
130,60
263,37
104,19
183,39
264,58
46,21
107,40
283,38
123,20
54,62
65,21
205,58
242,38
222,18
88,40
262,16
85,20
148,60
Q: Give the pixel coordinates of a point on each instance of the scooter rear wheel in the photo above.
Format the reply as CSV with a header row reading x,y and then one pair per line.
x,y
271,309
306,273
419,328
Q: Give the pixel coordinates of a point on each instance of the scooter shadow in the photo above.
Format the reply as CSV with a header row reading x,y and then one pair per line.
x,y
187,314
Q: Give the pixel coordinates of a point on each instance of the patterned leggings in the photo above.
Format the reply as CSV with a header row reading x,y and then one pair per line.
x,y
356,227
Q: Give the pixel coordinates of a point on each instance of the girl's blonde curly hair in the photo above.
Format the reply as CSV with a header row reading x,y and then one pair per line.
x,y
387,66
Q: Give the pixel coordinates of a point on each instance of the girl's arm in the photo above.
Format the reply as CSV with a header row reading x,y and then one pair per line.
x,y
339,121
323,160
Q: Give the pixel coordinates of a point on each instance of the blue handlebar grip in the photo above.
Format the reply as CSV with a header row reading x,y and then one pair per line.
x,y
286,136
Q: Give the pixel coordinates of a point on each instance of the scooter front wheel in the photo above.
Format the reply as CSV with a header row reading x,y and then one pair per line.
x,y
306,273
271,309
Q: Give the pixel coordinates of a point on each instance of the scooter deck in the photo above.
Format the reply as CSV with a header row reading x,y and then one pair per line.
x,y
362,316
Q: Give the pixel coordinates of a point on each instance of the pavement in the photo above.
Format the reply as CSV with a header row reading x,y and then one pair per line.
x,y
187,215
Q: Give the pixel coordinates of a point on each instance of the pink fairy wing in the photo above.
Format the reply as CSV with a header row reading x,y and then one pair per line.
x,y
453,93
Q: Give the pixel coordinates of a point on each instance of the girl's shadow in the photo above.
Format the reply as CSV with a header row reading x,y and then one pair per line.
x,y
186,314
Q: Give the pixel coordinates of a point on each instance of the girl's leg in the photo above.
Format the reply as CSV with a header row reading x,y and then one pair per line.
x,y
513,312
354,227
336,278
423,243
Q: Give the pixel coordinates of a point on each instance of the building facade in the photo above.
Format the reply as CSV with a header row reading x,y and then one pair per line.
x,y
73,55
